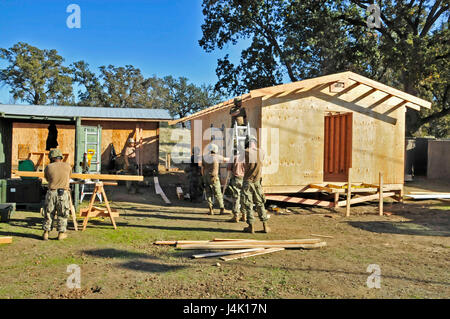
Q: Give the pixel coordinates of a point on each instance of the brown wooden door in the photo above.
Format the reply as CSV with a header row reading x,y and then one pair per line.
x,y
338,147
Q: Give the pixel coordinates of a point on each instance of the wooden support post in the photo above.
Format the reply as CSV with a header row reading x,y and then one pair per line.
x,y
168,159
349,193
336,199
380,191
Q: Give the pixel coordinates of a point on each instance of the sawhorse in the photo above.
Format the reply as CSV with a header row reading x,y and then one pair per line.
x,y
93,211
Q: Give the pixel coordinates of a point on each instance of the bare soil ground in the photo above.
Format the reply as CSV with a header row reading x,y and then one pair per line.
x,y
411,246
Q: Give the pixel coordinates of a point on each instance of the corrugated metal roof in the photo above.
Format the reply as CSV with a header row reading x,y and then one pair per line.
x,y
84,112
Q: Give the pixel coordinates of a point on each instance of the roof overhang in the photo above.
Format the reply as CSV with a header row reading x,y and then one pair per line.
x,y
283,90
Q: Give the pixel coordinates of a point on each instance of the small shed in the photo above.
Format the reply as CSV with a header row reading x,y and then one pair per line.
x,y
313,131
29,131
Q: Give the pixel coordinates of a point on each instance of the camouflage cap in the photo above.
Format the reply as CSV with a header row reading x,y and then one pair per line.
x,y
55,153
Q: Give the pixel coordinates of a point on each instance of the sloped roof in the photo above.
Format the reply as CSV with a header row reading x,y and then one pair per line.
x,y
304,85
84,112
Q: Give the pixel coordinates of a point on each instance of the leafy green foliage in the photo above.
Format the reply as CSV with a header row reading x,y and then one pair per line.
x,y
36,76
297,39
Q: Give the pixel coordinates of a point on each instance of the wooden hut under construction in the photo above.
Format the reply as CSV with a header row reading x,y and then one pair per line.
x,y
328,131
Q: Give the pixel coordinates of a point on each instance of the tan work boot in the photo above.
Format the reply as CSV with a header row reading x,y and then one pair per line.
x,y
234,219
62,236
222,211
243,218
45,235
249,229
211,211
266,228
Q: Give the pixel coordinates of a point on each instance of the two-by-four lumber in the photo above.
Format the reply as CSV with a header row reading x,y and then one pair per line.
x,y
6,240
380,206
260,242
249,245
251,254
232,239
323,188
174,242
299,200
365,198
225,253
349,194
111,177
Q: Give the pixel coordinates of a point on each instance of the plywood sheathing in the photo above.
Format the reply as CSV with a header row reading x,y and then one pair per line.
x,y
34,136
117,133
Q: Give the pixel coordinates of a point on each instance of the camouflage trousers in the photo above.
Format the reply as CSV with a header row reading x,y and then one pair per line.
x,y
56,209
253,195
235,188
213,188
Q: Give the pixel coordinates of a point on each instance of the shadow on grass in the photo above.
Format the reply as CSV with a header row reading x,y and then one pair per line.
x,y
24,235
206,219
107,224
134,264
425,222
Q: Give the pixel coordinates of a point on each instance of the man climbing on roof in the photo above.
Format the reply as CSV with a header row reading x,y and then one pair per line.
x,y
57,200
252,192
210,167
238,114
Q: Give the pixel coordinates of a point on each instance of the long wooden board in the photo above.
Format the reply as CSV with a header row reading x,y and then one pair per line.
x,y
251,254
299,200
365,198
110,177
225,253
251,245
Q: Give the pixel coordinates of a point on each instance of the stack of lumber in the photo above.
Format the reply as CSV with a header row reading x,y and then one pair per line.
x,y
242,248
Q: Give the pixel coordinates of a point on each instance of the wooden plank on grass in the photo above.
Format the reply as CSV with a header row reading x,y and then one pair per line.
x,y
258,243
6,240
249,245
229,252
174,242
231,239
251,254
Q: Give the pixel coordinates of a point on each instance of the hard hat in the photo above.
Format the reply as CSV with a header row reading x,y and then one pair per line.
x,y
130,140
252,138
237,100
213,148
55,153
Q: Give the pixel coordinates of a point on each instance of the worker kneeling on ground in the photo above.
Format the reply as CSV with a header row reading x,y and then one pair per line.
x,y
210,166
57,199
252,192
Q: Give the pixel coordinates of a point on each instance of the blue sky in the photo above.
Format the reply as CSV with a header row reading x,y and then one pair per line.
x,y
158,36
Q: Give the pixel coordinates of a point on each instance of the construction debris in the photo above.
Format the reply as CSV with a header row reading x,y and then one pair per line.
x,y
316,235
251,254
425,195
224,253
243,248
